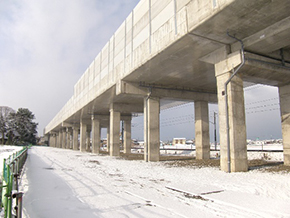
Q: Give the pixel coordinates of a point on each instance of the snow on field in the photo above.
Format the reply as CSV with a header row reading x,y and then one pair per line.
x,y
274,156
5,152
113,187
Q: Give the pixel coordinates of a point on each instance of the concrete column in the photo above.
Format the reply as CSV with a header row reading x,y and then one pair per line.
x,y
202,143
53,140
50,140
114,133
67,142
60,139
96,136
108,139
284,94
83,134
49,137
127,135
151,129
63,138
75,138
71,138
88,139
237,123
57,140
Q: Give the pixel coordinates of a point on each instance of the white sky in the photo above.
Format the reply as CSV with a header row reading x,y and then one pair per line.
x,y
45,47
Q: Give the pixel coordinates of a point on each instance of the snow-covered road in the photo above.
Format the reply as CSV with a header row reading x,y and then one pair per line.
x,y
112,187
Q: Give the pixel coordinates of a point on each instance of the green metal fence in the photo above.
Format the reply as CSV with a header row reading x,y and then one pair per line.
x,y
12,167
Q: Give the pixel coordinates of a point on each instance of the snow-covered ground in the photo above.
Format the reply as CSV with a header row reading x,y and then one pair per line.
x,y
113,187
274,156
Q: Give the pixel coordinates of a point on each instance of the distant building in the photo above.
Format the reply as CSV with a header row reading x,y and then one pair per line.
x,y
189,142
178,141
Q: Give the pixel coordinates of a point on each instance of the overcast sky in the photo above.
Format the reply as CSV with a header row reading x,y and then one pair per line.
x,y
45,47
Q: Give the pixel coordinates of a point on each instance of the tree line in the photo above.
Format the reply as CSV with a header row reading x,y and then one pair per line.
x,y
17,127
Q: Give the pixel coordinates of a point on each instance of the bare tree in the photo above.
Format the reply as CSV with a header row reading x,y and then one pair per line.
x,y
4,120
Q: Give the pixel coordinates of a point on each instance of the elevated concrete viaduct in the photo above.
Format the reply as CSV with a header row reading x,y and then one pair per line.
x,y
180,50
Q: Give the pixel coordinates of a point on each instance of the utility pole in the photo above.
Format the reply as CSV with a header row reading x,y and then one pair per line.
x,y
214,122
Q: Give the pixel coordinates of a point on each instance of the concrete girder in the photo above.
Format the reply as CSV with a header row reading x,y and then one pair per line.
x,y
65,124
268,71
262,41
126,108
217,55
166,92
257,68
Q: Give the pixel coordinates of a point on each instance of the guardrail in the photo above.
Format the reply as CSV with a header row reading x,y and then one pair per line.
x,y
12,167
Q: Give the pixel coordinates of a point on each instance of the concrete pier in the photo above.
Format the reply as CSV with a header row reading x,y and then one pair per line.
x,y
63,143
114,133
83,136
127,134
88,140
108,138
70,138
96,134
67,140
58,140
75,138
202,130
236,116
284,94
151,129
